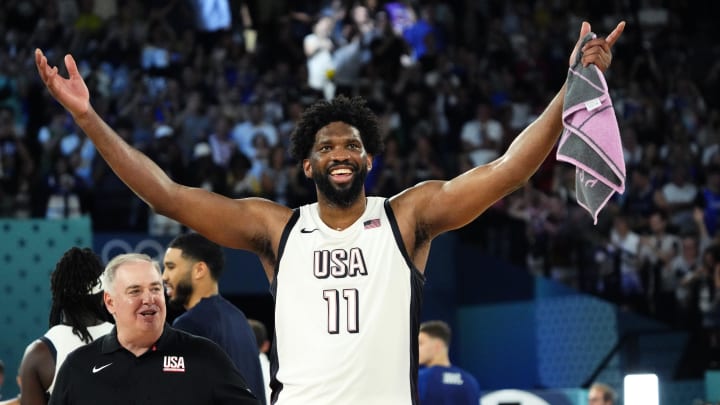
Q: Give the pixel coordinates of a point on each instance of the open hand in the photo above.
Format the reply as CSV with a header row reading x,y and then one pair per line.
x,y
72,92
596,51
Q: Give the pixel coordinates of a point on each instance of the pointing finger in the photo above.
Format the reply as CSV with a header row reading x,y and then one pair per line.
x,y
615,34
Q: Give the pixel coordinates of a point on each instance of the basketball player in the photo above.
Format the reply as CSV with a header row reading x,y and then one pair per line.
x,y
193,266
439,381
77,317
346,272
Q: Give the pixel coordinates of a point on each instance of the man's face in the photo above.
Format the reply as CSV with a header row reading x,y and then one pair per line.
x,y
427,347
177,276
595,397
338,163
137,301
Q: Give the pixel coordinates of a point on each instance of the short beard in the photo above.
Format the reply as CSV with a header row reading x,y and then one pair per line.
x,y
341,197
183,291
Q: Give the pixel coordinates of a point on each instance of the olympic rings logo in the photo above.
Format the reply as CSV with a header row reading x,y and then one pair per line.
x,y
114,247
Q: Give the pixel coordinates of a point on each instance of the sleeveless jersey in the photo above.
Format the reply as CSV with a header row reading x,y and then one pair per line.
x,y
346,312
61,340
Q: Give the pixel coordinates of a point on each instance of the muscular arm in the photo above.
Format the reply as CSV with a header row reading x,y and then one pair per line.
x,y
434,207
250,224
37,370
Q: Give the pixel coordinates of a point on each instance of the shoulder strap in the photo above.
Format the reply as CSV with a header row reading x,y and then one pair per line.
x,y
50,346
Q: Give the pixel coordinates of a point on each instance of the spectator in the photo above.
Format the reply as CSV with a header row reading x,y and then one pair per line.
x,y
16,164
656,251
391,168
637,201
241,182
624,248
318,48
701,309
276,176
423,163
113,207
710,200
213,21
482,136
677,197
65,190
193,123
256,125
167,154
221,143
205,173
669,294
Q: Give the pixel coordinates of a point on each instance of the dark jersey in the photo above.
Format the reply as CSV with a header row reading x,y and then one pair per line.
x,y
438,385
222,322
179,369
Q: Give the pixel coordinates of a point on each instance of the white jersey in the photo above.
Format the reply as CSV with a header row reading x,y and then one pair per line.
x,y
347,307
61,340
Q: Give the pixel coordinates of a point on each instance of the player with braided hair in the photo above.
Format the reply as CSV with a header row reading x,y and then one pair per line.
x,y
77,317
77,271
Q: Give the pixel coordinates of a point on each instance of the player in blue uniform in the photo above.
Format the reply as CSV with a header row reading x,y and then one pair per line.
x,y
440,382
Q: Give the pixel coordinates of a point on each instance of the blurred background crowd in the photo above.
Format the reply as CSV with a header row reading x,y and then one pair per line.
x,y
211,91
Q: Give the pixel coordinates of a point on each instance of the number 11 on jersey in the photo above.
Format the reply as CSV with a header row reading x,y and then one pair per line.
x,y
350,296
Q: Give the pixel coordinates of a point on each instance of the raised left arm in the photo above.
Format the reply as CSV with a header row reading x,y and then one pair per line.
x,y
440,206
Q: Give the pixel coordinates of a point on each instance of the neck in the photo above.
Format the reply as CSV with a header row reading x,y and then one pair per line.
x,y
140,344
338,217
201,291
440,360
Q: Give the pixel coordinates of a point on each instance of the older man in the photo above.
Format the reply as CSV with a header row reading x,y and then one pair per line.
x,y
144,360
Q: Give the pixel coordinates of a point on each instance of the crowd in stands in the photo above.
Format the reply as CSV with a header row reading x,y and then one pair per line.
x,y
211,91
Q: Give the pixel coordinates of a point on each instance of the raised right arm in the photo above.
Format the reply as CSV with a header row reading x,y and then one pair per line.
x,y
244,224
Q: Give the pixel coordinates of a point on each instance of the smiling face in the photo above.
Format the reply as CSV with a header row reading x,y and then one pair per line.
x,y
137,301
338,163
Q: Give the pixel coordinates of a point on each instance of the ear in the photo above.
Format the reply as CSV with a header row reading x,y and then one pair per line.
x,y
369,162
109,302
199,270
307,168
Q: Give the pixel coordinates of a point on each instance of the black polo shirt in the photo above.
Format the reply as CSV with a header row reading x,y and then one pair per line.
x,y
179,369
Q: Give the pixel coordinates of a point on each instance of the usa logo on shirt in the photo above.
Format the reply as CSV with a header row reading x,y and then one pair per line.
x,y
173,364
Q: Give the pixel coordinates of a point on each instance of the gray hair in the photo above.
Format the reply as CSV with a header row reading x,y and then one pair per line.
x,y
108,276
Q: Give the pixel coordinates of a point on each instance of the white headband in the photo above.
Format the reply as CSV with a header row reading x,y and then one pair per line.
x,y
97,288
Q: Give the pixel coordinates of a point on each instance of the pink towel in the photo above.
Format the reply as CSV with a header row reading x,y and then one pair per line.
x,y
591,137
